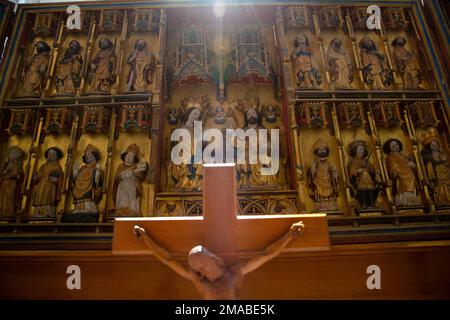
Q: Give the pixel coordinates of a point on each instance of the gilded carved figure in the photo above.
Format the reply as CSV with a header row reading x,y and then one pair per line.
x,y
48,185
11,177
142,66
68,70
365,179
375,67
437,167
128,179
308,76
103,67
34,71
249,174
324,179
208,272
187,176
401,170
88,182
339,65
406,64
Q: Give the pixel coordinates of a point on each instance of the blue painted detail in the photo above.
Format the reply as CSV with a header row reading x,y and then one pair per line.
x,y
251,66
192,67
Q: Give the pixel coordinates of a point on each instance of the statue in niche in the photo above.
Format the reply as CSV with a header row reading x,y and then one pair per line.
x,y
249,174
324,179
308,76
48,185
101,75
68,70
187,176
339,65
437,167
11,177
142,66
128,179
365,179
375,68
34,71
208,272
88,182
401,171
406,64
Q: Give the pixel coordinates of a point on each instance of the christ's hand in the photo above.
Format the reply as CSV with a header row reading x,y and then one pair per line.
x,y
297,229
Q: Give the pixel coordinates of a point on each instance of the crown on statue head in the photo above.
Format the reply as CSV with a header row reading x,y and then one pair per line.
x,y
429,136
133,148
243,105
200,103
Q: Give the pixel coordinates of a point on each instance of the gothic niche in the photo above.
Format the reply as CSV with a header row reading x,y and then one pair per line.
x,y
191,61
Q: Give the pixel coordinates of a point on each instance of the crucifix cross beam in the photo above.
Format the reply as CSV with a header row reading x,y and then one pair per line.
x,y
220,229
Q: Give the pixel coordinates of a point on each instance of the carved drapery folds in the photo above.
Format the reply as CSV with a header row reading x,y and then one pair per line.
x,y
336,91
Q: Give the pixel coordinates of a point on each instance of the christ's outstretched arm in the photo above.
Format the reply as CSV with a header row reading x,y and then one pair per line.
x,y
162,254
273,250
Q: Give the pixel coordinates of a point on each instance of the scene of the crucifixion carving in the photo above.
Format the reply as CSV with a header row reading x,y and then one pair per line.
x,y
362,126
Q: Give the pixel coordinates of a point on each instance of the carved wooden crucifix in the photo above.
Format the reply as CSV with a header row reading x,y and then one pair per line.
x,y
220,230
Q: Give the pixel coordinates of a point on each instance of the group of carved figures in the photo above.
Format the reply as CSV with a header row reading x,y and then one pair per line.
x,y
188,176
87,182
365,179
101,74
375,68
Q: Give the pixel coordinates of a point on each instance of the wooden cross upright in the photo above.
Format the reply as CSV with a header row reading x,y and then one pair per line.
x,y
220,230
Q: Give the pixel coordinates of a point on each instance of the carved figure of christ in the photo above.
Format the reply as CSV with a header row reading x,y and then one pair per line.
x,y
214,266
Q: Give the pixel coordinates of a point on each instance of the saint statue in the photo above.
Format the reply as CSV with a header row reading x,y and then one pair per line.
x,y
208,272
142,66
365,179
128,179
34,71
101,76
11,177
88,182
308,76
187,175
406,64
401,171
68,70
324,179
375,68
250,173
339,65
437,167
48,185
